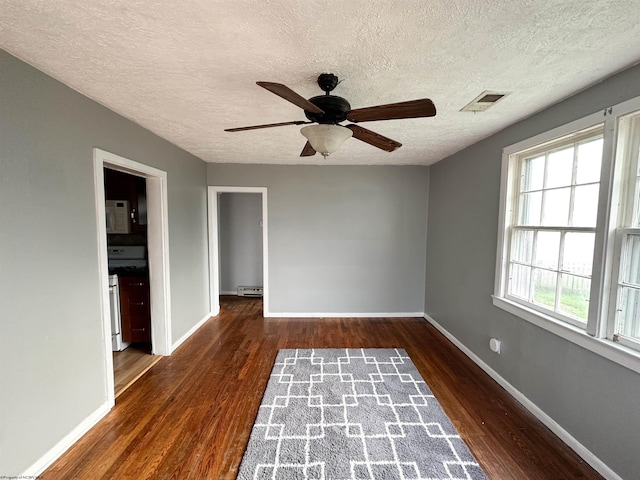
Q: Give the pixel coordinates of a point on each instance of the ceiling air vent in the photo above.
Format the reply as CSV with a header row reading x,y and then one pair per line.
x,y
483,101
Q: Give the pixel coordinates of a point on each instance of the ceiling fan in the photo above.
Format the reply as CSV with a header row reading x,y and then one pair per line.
x,y
329,110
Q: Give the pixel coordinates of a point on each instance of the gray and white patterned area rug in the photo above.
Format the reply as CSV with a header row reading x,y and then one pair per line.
x,y
346,414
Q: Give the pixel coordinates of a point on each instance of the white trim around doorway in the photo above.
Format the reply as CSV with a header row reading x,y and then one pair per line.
x,y
214,244
158,251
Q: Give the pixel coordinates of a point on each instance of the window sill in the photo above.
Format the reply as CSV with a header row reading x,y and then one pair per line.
x,y
604,347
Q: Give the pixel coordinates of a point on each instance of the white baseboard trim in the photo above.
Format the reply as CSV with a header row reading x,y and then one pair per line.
x,y
565,436
67,441
229,292
344,315
63,445
193,329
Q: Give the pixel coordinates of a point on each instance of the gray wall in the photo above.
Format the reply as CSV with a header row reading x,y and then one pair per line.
x,y
342,239
51,337
594,399
240,236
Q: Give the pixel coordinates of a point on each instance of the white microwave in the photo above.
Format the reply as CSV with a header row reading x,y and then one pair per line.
x,y
118,214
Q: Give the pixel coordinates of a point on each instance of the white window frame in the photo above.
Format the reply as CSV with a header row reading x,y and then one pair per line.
x,y
515,165
628,210
598,334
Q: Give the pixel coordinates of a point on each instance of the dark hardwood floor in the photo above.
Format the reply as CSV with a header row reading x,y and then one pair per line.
x,y
190,415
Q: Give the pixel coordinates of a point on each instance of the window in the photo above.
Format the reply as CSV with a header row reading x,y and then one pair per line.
x,y
553,226
569,240
627,288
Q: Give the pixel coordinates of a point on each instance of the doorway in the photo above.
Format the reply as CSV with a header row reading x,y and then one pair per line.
x,y
155,182
240,245
215,226
126,205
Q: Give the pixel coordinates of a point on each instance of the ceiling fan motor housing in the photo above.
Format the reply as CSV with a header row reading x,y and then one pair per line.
x,y
335,109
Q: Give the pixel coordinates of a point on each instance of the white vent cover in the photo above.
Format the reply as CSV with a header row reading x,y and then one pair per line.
x,y
249,291
483,101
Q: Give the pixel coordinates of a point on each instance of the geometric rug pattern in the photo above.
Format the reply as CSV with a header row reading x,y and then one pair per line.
x,y
347,414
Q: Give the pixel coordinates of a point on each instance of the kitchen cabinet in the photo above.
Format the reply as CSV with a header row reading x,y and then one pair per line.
x,y
135,310
122,186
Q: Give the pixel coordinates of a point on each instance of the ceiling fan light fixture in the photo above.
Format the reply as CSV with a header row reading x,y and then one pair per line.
x,y
326,139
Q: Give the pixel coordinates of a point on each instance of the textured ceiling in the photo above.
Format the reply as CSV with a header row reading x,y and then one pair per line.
x,y
186,70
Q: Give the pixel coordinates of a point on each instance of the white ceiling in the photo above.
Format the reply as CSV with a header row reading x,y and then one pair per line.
x,y
186,69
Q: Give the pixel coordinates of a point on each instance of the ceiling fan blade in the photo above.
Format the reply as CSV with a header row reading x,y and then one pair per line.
x,y
289,95
268,125
308,151
373,138
411,109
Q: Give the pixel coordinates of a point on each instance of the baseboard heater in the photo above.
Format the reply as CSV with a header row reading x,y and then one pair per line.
x,y
250,291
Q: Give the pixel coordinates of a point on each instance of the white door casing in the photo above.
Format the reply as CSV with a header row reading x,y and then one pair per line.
x,y
158,252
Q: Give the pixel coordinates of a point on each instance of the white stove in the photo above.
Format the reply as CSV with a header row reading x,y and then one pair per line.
x,y
117,344
124,260
129,257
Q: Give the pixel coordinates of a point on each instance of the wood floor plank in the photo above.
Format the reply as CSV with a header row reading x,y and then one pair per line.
x,y
190,415
130,364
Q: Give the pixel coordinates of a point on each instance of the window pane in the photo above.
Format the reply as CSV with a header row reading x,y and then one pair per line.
x,y
574,296
520,281
530,205
548,249
532,174
585,206
544,288
629,314
631,267
522,246
589,161
559,168
578,252
556,207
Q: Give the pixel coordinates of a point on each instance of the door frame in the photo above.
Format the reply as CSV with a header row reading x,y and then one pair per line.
x,y
158,253
214,244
